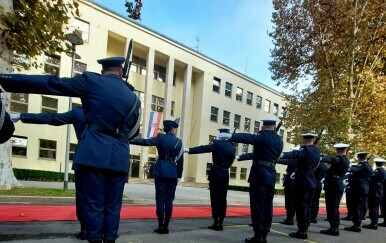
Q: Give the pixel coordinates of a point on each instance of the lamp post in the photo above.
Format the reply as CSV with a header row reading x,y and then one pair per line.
x,y
74,40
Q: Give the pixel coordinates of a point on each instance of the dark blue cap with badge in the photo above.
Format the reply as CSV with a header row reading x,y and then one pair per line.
x,y
170,123
111,62
225,130
6,125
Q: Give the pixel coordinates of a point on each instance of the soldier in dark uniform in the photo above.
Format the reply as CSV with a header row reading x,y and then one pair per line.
x,y
76,118
112,112
267,147
349,195
6,125
319,174
223,155
307,160
333,186
360,186
376,189
167,171
383,207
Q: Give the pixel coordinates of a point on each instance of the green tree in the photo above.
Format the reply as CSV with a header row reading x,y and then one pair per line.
x,y
331,54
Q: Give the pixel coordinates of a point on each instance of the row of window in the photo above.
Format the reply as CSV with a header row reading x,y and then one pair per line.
x,y
47,148
249,100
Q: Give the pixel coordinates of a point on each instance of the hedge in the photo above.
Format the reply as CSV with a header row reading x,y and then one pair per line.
x,y
40,175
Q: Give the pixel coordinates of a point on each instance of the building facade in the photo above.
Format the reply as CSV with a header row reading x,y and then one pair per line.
x,y
169,78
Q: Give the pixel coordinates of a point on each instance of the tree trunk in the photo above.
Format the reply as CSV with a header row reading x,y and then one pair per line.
x,y
7,178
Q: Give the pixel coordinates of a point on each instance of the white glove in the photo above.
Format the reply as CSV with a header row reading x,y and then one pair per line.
x,y
237,157
322,180
223,135
292,176
186,150
15,117
178,180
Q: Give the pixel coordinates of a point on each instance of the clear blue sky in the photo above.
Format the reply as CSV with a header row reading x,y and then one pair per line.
x,y
233,32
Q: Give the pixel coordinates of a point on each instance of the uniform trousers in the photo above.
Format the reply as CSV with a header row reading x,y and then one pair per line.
x,y
359,202
303,200
333,198
218,198
374,203
165,190
349,202
261,198
102,201
315,203
79,198
289,191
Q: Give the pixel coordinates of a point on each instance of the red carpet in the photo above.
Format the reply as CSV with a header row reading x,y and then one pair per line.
x,y
21,213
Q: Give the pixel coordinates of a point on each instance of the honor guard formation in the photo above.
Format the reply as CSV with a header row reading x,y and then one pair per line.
x,y
108,122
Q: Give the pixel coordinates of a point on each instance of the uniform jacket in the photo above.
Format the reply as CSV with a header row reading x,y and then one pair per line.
x,y
335,174
166,164
106,101
74,117
307,160
361,177
223,155
377,179
319,174
267,146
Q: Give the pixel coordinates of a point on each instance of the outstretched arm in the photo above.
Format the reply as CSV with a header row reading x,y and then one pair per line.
x,y
51,118
145,142
201,149
247,156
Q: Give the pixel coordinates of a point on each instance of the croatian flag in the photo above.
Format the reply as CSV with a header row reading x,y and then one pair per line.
x,y
154,121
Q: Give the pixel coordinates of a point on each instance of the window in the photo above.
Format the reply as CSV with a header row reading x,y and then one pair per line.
x,y
213,114
49,104
159,73
267,106
283,111
239,94
174,79
211,139
243,174
47,149
172,108
82,29
19,146
141,97
71,151
233,172
245,148
236,123
276,109
247,124
281,134
257,127
289,138
259,100
208,167
79,68
157,104
249,98
52,64
278,178
19,103
138,65
225,119
216,85
228,89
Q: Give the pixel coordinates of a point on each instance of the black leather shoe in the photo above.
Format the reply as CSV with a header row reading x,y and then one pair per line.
x,y
353,229
383,224
250,224
220,227
81,235
108,241
299,235
330,231
159,230
370,226
287,222
253,240
314,221
349,218
215,227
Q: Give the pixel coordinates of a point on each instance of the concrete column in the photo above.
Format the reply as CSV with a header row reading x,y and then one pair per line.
x,y
186,116
147,109
169,89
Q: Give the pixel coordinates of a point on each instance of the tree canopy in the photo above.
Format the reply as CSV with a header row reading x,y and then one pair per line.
x,y
331,53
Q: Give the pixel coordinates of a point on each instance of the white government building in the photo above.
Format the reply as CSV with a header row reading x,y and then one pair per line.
x,y
169,77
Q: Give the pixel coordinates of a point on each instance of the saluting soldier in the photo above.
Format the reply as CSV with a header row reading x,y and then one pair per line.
x,y
223,155
307,160
376,190
334,187
319,174
167,171
6,125
111,112
76,118
360,188
267,147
